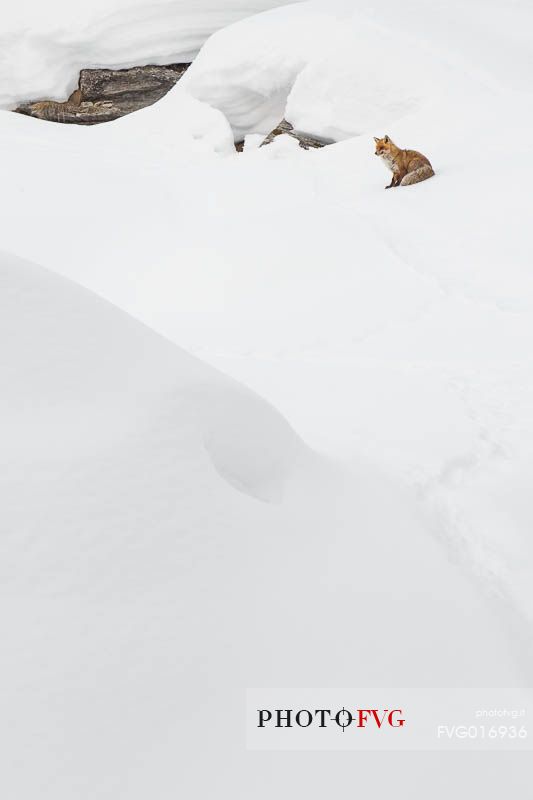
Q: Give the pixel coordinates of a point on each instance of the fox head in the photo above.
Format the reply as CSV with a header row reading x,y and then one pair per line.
x,y
383,146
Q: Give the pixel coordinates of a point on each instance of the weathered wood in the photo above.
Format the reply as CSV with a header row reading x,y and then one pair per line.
x,y
106,94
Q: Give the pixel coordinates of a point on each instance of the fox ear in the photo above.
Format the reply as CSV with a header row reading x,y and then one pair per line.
x,y
376,139
386,139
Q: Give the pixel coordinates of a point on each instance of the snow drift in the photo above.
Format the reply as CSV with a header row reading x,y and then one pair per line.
x,y
79,374
43,59
145,593
170,539
338,69
282,267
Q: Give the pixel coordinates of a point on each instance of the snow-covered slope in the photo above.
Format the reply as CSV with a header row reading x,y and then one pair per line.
x,y
283,267
339,68
81,377
143,593
44,45
169,535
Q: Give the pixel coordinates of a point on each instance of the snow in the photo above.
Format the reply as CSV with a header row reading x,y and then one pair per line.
x,y
352,506
248,268
340,69
247,71
145,592
323,67
41,59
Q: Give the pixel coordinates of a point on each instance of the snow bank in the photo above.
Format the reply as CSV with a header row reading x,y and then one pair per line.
x,y
339,70
145,593
168,535
168,539
98,376
43,46
282,267
179,130
348,88
247,70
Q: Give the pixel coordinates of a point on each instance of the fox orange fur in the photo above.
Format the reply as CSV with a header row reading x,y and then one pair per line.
x,y
407,166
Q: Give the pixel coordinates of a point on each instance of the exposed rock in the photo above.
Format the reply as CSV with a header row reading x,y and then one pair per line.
x,y
106,94
306,140
70,112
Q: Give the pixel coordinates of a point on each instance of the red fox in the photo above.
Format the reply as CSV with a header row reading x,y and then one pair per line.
x,y
407,166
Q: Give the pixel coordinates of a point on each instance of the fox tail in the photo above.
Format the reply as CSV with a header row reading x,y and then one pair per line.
x,y
421,174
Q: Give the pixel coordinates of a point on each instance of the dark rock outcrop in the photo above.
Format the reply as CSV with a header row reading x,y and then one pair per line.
x,y
306,140
106,94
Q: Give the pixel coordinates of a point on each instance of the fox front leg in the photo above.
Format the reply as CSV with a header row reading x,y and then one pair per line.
x,y
394,181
